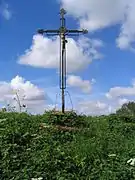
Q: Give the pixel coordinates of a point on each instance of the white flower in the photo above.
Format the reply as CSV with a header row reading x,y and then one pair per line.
x,y
40,178
112,155
131,161
2,120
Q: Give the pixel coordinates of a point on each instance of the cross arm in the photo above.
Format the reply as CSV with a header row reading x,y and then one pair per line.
x,y
83,31
42,31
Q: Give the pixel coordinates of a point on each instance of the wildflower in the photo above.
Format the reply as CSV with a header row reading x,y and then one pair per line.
x,y
112,155
131,161
40,178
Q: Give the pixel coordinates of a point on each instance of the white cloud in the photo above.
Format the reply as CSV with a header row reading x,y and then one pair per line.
x,y
31,91
127,34
118,92
94,107
100,106
122,101
121,95
35,98
95,14
78,82
5,11
105,104
44,53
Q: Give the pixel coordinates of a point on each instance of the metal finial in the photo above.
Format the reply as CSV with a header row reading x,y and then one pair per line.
x,y
62,12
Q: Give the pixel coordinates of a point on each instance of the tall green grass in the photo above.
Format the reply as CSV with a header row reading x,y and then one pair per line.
x,y
98,149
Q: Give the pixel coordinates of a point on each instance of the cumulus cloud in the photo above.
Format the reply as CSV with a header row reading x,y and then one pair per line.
x,y
100,106
35,98
44,53
118,92
95,14
122,101
127,34
113,100
32,92
78,82
5,11
94,107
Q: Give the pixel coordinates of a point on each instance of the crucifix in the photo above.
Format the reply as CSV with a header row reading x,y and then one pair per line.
x,y
62,32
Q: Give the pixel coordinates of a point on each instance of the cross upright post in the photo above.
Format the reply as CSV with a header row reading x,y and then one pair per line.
x,y
62,32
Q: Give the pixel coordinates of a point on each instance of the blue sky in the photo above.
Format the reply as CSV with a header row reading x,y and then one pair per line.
x,y
114,69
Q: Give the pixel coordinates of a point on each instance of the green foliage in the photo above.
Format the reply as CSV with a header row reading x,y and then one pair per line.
x,y
34,146
69,118
127,109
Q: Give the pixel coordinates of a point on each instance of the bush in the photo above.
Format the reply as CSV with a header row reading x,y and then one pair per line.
x,y
99,150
